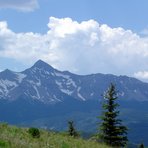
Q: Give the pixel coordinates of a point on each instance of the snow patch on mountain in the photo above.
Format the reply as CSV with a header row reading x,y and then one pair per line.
x,y
59,84
55,98
31,82
135,91
6,86
62,75
38,83
121,94
66,91
66,84
79,95
37,92
7,83
20,77
91,94
67,78
71,82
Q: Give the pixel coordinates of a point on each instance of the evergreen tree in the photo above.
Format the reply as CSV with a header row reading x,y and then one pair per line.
x,y
112,132
71,130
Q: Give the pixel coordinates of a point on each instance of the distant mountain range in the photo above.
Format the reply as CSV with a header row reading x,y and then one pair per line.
x,y
47,85
46,97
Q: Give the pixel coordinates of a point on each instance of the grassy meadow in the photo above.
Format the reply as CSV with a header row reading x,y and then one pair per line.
x,y
15,137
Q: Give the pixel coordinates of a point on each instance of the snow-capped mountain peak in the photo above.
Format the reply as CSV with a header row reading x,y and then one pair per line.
x,y
45,84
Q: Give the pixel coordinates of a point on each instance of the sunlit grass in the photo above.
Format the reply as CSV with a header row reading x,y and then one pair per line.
x,y
14,137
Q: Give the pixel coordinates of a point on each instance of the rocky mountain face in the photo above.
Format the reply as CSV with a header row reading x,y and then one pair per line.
x,y
45,84
43,96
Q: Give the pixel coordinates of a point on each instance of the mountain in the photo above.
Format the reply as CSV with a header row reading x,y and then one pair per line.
x,y
44,96
47,85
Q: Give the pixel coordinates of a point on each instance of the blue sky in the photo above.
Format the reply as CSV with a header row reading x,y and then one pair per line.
x,y
82,36
129,14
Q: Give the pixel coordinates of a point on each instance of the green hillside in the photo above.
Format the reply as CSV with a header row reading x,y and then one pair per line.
x,y
15,137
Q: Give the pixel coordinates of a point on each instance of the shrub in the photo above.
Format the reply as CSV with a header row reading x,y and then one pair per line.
x,y
34,132
4,144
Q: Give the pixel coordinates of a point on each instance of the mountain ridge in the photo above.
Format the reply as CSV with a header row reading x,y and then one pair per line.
x,y
44,83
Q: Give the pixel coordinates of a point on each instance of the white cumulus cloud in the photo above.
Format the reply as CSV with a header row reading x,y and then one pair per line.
x,y
143,75
80,47
22,5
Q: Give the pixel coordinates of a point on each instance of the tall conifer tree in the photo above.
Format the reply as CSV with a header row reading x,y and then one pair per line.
x,y
112,132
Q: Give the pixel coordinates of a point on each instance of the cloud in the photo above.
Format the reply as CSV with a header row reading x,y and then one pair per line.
x,y
143,75
22,5
84,48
